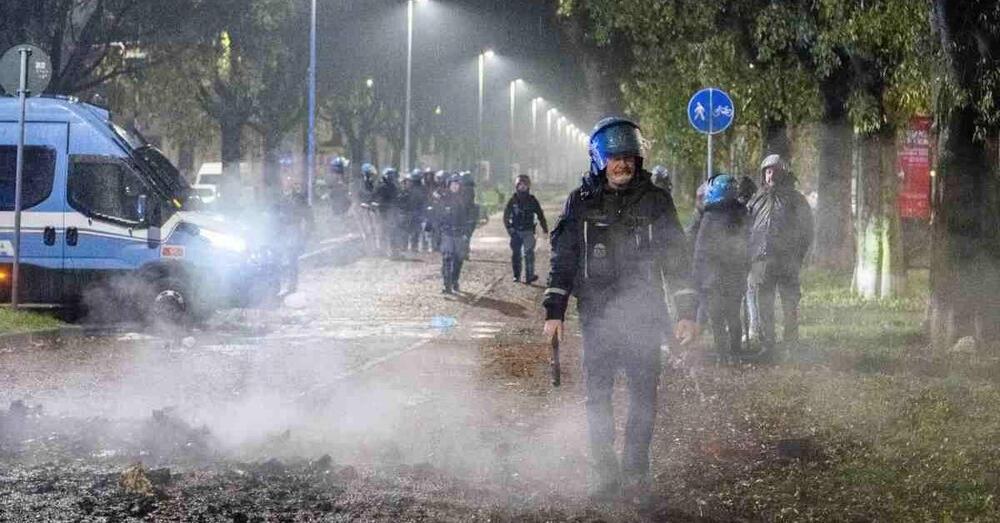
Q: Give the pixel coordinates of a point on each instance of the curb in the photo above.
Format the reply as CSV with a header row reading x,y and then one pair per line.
x,y
24,338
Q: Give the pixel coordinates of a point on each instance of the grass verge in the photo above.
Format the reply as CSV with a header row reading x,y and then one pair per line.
x,y
18,321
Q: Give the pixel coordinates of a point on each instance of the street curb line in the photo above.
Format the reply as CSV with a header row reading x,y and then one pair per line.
x,y
23,338
330,244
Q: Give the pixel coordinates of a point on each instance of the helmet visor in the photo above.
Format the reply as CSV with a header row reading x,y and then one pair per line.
x,y
617,140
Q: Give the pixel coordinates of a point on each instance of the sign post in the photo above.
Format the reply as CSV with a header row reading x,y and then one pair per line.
x,y
710,111
32,77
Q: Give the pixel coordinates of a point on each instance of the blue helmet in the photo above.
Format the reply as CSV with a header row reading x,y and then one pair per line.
x,y
416,175
467,179
456,178
368,170
614,136
390,174
722,188
339,165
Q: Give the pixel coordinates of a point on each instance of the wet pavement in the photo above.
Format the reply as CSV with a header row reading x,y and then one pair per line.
x,y
368,365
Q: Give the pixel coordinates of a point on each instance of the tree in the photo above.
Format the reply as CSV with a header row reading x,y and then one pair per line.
x,y
238,71
965,252
356,111
92,42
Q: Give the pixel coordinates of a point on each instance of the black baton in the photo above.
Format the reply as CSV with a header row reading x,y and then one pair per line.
x,y
556,370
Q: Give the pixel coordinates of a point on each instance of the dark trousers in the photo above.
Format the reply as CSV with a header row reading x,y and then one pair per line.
x,y
522,245
724,307
767,278
608,347
453,250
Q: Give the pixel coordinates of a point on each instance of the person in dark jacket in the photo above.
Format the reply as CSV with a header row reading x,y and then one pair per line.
x,y
617,236
519,219
295,226
451,220
412,206
721,264
386,201
781,232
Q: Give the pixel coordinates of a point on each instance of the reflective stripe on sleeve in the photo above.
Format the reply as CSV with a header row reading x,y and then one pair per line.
x,y
555,290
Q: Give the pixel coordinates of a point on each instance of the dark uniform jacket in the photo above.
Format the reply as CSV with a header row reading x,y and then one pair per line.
x,y
782,225
386,195
452,214
720,247
612,248
519,215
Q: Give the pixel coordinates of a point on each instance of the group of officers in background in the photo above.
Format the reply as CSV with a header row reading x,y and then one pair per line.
x,y
418,211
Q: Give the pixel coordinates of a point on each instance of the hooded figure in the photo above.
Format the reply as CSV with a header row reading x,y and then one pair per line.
x,y
616,239
519,219
781,232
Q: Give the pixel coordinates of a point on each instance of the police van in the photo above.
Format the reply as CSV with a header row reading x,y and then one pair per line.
x,y
107,217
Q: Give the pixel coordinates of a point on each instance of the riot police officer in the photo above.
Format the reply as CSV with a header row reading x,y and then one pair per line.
x,y
339,190
617,235
519,218
412,205
386,196
451,219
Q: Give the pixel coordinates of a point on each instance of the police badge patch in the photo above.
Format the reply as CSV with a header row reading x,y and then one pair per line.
x,y
600,251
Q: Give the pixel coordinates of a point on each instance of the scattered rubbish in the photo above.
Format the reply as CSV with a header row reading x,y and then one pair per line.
x,y
443,322
134,481
296,300
134,336
965,345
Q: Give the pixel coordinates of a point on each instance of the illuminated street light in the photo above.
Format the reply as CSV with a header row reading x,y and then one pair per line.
x,y
409,81
370,83
483,56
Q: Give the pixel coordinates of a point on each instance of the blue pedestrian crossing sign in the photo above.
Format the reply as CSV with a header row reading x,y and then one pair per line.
x,y
711,111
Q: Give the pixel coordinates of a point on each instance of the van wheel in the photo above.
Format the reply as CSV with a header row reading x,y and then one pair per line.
x,y
169,304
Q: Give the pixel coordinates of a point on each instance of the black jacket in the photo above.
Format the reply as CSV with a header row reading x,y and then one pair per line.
x,y
613,248
452,214
720,248
781,228
520,213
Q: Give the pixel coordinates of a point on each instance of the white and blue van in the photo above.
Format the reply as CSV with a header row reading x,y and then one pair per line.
x,y
103,210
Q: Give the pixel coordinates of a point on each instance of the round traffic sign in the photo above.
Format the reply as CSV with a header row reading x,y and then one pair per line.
x,y
39,70
711,111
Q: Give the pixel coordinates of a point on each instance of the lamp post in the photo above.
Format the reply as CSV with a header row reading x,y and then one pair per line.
x,y
513,123
311,146
482,77
409,83
534,131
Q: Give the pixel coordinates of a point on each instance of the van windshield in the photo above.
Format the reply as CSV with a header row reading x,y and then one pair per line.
x,y
163,174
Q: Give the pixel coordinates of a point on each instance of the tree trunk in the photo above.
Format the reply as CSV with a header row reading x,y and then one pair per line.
x,y
834,239
879,270
964,256
776,138
185,159
231,136
272,165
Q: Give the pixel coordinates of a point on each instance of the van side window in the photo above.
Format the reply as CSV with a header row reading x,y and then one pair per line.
x,y
105,188
36,179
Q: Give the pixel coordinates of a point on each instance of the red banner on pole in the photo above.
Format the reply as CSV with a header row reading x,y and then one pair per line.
x,y
914,159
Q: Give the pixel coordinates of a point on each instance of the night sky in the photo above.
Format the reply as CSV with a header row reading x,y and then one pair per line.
x,y
367,38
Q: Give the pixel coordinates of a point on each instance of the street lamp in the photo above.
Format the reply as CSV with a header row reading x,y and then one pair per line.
x,y
311,147
409,81
513,122
483,56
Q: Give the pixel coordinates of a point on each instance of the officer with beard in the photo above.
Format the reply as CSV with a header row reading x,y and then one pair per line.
x,y
616,239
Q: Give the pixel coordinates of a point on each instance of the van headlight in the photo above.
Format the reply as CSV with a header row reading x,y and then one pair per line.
x,y
224,241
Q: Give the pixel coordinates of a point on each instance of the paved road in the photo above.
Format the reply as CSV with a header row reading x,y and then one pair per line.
x,y
356,364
